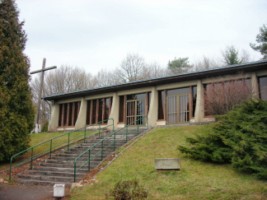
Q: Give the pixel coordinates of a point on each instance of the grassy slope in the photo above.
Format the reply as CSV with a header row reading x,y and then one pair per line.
x,y
196,180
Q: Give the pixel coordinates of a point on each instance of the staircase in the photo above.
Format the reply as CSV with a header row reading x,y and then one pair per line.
x,y
60,168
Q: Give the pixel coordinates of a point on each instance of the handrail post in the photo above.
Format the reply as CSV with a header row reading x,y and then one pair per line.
x,y
102,150
84,136
74,173
139,125
98,129
50,152
126,133
114,140
112,125
68,141
31,158
89,159
10,169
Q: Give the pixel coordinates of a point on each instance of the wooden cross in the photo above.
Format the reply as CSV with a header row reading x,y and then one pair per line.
x,y
37,125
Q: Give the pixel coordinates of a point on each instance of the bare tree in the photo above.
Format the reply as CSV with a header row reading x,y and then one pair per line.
x,y
106,78
67,79
131,68
206,64
154,70
64,79
223,96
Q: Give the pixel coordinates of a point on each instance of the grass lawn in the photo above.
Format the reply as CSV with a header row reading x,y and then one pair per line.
x,y
195,180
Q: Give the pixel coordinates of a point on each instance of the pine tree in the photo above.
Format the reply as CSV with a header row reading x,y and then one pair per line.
x,y
231,57
238,138
179,65
16,110
261,40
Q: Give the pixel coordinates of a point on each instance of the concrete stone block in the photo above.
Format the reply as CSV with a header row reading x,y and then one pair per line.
x,y
167,164
59,190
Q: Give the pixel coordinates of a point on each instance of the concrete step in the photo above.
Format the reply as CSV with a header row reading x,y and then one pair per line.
x,y
54,173
60,162
42,182
83,166
74,153
61,179
94,156
60,167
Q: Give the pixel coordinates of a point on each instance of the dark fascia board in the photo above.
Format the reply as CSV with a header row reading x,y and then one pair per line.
x,y
233,69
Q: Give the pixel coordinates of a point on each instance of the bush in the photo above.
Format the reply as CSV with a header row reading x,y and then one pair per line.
x,y
129,190
239,138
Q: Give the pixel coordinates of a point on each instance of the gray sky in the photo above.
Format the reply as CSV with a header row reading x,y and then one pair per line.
x,y
98,34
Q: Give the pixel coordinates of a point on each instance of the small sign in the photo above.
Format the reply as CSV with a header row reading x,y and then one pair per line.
x,y
167,164
59,190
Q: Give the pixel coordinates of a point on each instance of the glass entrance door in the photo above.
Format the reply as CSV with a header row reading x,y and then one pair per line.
x,y
135,112
178,108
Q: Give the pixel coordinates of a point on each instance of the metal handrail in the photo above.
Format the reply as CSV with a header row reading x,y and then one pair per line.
x,y
102,128
89,149
52,147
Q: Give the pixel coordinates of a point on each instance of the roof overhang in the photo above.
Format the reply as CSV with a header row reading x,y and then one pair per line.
x,y
233,69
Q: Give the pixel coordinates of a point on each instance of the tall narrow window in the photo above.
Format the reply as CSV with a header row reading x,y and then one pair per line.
x,y
121,109
60,115
68,114
88,116
98,111
194,100
65,114
94,121
161,104
263,88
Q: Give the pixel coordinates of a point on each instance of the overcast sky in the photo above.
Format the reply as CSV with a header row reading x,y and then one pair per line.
x,y
98,34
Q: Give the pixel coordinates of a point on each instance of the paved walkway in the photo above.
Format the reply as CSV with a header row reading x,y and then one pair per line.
x,y
25,192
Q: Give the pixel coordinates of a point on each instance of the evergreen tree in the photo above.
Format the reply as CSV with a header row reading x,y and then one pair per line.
x,y
179,65
239,138
261,39
231,57
16,110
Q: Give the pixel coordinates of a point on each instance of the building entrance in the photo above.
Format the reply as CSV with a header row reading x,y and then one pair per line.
x,y
135,112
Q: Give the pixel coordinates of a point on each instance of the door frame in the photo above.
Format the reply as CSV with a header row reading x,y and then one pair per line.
x,y
132,119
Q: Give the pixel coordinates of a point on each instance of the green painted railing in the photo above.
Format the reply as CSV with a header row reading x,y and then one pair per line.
x,y
47,147
101,128
109,141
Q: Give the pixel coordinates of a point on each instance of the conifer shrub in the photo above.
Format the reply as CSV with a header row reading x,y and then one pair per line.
x,y
16,109
238,137
129,190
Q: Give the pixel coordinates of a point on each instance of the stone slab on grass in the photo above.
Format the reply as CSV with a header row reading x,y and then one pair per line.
x,y
167,164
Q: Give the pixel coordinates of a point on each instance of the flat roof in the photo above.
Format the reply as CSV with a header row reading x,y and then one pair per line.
x,y
231,69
